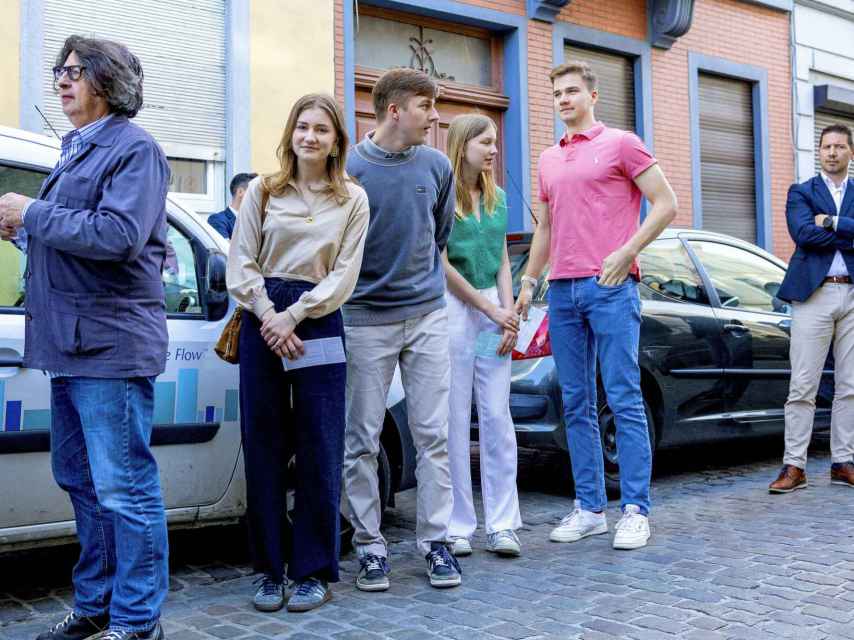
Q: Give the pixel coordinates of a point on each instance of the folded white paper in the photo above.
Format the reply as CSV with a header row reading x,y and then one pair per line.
x,y
318,352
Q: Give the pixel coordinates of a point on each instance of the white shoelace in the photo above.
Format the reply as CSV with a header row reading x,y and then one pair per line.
x,y
631,522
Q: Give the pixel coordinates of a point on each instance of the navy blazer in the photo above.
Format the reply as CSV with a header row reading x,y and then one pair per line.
x,y
816,247
223,222
97,243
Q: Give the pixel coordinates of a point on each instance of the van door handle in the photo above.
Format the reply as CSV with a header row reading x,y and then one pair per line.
x,y
11,362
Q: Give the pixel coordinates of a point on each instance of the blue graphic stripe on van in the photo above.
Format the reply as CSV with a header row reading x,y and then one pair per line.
x,y
37,419
209,414
218,414
13,415
164,402
231,405
3,400
188,392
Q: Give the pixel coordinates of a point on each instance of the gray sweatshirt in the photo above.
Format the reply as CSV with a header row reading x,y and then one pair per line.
x,y
412,200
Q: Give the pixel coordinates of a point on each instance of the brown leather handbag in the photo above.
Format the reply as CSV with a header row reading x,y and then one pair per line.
x,y
226,346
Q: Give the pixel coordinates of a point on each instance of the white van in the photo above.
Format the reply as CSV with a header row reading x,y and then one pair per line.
x,y
196,437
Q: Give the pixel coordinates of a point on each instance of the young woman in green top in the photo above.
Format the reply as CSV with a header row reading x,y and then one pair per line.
x,y
482,327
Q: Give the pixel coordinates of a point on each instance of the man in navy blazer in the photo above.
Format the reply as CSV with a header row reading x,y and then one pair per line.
x,y
96,322
818,283
224,220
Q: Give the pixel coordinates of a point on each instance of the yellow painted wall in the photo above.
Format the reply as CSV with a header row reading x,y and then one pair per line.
x,y
291,53
10,62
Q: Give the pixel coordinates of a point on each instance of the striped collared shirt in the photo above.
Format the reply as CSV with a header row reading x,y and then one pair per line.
x,y
74,141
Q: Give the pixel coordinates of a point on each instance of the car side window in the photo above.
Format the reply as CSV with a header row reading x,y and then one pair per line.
x,y
742,279
666,268
179,275
13,261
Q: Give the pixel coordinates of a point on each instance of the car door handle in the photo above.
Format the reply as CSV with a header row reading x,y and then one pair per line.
x,y
11,362
734,327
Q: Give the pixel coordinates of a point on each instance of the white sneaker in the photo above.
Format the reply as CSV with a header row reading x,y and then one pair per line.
x,y
460,547
579,524
504,543
632,531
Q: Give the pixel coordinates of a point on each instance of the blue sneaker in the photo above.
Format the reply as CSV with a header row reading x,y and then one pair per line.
x,y
442,567
373,573
309,594
270,595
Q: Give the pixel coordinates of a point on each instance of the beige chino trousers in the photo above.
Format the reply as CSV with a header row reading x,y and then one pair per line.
x,y
827,316
420,346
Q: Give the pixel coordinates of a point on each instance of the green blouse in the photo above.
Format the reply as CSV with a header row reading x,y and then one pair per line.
x,y
475,248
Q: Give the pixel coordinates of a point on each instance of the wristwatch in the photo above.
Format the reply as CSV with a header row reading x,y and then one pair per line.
x,y
530,280
827,223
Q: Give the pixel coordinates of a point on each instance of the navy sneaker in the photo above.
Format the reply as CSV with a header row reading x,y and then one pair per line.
x,y
76,627
442,567
373,573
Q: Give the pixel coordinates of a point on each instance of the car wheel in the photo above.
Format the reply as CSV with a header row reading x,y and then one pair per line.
x,y
608,434
383,476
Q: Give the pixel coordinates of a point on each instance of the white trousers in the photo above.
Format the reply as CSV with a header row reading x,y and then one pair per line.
x,y
489,377
826,316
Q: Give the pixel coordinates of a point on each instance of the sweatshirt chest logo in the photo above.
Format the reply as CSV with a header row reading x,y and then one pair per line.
x,y
420,188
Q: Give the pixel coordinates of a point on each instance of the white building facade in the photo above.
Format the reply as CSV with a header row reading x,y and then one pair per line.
x,y
823,39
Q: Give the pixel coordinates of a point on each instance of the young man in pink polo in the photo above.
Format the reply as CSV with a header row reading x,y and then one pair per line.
x,y
592,183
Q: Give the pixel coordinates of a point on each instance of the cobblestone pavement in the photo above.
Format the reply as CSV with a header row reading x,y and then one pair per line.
x,y
726,560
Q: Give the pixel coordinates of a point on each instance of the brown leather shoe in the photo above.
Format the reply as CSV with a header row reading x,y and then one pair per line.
x,y
790,478
842,473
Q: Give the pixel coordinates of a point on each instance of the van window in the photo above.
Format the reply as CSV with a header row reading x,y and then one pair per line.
x,y
27,182
179,275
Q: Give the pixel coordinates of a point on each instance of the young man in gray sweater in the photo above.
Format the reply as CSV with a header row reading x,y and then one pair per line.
x,y
397,316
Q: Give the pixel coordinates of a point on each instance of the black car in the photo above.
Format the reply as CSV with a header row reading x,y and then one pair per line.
x,y
714,349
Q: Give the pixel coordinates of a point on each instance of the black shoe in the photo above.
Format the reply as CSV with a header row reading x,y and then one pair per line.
x,y
120,634
76,627
442,567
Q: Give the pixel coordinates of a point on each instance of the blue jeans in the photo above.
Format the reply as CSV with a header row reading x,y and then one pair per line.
x,y
586,321
100,434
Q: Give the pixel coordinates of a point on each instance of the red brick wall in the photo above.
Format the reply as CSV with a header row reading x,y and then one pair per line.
x,y
761,39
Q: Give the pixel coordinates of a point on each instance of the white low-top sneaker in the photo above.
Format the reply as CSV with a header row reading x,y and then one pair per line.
x,y
579,524
461,547
632,531
504,543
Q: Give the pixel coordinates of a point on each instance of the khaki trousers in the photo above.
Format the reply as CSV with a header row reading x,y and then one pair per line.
x,y
420,346
827,316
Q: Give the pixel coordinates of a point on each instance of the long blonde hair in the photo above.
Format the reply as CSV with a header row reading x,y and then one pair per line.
x,y
276,183
462,129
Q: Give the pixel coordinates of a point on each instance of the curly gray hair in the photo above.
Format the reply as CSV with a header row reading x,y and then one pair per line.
x,y
111,69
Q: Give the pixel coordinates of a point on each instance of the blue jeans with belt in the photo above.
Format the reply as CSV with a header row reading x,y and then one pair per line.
x,y
588,321
298,413
100,454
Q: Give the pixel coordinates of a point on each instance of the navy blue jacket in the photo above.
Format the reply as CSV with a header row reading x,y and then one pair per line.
x,y
816,247
97,243
223,222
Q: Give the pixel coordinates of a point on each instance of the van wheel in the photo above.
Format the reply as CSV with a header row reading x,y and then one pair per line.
x,y
608,434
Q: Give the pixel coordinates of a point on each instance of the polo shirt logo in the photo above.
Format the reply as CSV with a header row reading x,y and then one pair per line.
x,y
420,188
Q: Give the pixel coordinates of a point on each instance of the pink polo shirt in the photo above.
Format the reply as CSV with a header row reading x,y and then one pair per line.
x,y
594,204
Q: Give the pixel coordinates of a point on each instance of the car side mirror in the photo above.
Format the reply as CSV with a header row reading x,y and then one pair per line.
x,y
216,291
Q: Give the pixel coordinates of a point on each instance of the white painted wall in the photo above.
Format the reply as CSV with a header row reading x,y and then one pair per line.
x,y
823,32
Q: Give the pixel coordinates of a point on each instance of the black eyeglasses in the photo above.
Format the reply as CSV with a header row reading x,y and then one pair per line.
x,y
74,71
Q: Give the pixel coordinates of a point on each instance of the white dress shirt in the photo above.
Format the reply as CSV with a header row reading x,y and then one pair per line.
x,y
837,267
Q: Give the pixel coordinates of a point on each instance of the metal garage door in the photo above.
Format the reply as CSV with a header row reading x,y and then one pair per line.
x,y
822,120
616,104
181,44
727,156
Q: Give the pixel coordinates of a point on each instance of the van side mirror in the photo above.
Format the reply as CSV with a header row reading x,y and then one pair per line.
x,y
216,291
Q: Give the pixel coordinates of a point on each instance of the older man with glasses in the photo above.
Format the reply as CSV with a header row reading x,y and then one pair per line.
x,y
96,321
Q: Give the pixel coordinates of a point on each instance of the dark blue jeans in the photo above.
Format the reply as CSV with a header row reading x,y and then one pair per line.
x,y
100,453
586,321
297,413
